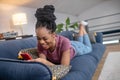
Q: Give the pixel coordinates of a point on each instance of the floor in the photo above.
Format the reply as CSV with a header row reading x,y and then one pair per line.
x,y
109,48
111,68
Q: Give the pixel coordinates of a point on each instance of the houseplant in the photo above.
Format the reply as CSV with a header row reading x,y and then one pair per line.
x,y
67,26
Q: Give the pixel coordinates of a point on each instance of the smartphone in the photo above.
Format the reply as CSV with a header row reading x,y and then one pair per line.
x,y
26,56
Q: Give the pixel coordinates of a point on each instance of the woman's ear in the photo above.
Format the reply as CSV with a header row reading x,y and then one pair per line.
x,y
53,34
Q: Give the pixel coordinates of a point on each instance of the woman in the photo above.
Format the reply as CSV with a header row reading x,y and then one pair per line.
x,y
55,49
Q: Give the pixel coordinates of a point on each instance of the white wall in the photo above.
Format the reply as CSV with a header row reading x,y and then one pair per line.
x,y
104,8
6,12
107,7
62,17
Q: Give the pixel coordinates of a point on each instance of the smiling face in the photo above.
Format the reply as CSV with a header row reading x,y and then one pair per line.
x,y
45,38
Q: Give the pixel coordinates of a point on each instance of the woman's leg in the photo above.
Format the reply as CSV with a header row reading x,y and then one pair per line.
x,y
80,34
84,38
84,35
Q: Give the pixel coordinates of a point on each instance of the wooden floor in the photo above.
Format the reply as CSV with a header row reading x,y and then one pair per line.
x,y
109,48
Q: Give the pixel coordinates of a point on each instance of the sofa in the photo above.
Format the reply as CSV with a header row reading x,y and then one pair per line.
x,y
11,68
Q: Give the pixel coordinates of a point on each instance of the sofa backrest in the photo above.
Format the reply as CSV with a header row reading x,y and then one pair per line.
x,y
69,35
10,48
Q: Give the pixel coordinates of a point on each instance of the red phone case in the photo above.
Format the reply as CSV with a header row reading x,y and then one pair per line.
x,y
26,56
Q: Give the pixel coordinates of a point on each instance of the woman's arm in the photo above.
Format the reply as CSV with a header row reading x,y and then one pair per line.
x,y
64,61
42,59
66,57
41,55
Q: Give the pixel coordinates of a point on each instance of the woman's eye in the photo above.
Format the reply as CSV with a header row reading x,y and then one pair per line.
x,y
45,38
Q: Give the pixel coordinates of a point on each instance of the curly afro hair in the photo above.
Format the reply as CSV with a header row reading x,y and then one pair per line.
x,y
46,18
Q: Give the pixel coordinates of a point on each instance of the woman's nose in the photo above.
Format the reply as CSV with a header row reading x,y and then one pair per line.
x,y
41,41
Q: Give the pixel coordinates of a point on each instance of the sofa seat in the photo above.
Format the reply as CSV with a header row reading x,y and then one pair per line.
x,y
83,67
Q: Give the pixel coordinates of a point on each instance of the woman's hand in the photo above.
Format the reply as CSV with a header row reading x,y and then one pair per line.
x,y
38,60
42,60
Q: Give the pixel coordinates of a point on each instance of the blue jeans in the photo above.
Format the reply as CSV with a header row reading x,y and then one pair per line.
x,y
82,46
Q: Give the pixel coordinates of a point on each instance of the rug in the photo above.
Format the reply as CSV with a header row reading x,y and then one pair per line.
x,y
111,68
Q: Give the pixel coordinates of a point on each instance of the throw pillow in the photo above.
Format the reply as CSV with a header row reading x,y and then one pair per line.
x,y
59,71
30,52
92,36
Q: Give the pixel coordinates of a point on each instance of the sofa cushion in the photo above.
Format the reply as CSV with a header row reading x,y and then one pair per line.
x,y
10,48
83,67
99,37
92,36
97,51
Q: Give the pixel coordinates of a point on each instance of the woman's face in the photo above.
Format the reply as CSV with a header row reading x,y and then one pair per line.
x,y
45,38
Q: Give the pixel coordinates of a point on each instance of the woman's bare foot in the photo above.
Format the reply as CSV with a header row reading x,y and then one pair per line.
x,y
82,30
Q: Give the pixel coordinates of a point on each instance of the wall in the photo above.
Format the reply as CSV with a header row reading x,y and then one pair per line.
x,y
105,8
6,19
6,12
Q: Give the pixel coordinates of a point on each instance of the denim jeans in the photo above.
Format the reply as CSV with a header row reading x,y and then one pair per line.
x,y
82,45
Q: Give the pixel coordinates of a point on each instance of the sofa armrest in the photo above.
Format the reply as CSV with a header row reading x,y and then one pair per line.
x,y
11,69
99,37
